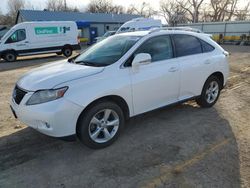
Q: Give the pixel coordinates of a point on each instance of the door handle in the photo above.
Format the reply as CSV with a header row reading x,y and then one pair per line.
x,y
26,42
20,45
173,69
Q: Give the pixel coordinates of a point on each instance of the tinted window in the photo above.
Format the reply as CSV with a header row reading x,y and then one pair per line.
x,y
186,45
17,36
206,47
159,48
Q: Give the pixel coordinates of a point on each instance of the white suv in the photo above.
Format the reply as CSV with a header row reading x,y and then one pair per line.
x,y
93,94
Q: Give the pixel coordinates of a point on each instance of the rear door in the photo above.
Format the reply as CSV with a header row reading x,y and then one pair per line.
x,y
156,84
195,66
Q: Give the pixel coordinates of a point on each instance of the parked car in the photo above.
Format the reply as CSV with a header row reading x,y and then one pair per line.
x,y
139,24
30,38
122,76
3,30
106,35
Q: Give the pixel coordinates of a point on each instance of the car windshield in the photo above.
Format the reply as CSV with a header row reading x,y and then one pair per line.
x,y
107,51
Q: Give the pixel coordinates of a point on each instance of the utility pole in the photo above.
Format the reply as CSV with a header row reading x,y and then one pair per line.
x,y
65,5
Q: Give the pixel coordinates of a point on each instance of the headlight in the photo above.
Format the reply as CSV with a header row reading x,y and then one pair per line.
x,y
43,96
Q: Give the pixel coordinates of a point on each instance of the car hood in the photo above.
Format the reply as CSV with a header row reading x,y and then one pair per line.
x,y
51,75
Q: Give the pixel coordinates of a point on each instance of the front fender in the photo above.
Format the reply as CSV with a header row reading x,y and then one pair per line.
x,y
86,90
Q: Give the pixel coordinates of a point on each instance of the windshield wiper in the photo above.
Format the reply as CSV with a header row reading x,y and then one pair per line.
x,y
72,60
89,64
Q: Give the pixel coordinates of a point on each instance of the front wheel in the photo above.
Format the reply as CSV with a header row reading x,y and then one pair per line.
x,y
100,125
10,56
210,92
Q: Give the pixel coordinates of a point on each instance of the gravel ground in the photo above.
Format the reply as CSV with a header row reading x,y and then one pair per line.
x,y
180,146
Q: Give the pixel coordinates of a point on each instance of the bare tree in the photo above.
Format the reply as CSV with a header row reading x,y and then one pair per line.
x,y
13,7
192,7
104,6
4,19
172,12
243,14
205,14
59,5
144,10
222,10
1,18
55,5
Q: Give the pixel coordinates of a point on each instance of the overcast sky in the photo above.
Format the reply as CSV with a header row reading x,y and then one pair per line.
x,y
81,4
39,4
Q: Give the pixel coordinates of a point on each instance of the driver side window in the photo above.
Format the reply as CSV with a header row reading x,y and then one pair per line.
x,y
17,36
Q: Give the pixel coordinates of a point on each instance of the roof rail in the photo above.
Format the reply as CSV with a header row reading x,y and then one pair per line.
x,y
175,28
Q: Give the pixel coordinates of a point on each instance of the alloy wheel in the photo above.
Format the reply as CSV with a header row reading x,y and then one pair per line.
x,y
104,126
212,92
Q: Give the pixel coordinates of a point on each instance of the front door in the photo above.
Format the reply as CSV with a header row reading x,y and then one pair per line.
x,y
17,41
156,84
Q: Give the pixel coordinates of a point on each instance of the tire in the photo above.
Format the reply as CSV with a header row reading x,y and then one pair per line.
x,y
10,56
93,125
67,51
210,92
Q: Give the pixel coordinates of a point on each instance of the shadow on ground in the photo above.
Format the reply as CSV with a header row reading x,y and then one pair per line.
x,y
150,148
29,61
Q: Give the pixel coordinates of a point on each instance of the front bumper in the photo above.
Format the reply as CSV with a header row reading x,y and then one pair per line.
x,y
56,118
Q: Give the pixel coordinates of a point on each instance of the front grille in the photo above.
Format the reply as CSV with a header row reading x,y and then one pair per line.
x,y
18,94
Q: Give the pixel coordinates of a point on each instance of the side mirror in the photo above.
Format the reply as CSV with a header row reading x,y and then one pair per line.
x,y
141,59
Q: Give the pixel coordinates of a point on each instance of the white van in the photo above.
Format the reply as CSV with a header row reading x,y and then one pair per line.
x,y
30,38
139,24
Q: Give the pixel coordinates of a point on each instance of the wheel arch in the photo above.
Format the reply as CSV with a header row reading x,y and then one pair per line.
x,y
112,98
217,74
220,76
67,46
9,50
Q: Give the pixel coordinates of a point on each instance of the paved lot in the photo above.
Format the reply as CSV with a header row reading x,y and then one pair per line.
x,y
181,146
29,61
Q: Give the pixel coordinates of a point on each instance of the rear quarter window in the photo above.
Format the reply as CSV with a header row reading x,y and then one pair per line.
x,y
186,45
206,47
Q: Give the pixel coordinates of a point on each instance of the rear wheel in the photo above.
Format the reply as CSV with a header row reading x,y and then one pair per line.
x,y
101,125
67,51
10,56
210,92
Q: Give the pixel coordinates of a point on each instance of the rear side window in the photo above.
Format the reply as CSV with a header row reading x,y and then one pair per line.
x,y
186,45
160,48
206,47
